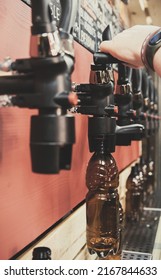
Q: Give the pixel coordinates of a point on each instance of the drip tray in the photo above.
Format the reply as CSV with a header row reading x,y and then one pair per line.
x,y
139,238
154,201
127,255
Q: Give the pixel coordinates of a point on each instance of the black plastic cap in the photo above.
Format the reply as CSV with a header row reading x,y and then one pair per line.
x,y
41,253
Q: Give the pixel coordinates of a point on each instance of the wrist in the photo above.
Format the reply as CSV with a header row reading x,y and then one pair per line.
x,y
157,61
150,47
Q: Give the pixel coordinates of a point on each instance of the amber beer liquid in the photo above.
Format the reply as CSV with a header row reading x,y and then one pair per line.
x,y
102,205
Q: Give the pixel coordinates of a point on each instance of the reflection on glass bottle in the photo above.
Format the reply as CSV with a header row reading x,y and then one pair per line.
x,y
102,204
143,167
41,253
150,177
133,196
140,177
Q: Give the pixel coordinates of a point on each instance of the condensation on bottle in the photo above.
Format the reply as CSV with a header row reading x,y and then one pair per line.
x,y
102,205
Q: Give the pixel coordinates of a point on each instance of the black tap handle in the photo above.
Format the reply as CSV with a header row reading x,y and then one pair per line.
x,y
68,15
136,80
155,96
107,35
128,73
41,21
151,89
124,74
145,84
104,58
130,129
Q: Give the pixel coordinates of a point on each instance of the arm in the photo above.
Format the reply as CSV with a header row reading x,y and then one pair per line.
x,y
126,46
157,62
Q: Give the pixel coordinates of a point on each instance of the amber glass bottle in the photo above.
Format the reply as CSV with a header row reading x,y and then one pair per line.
x,y
133,196
41,253
102,204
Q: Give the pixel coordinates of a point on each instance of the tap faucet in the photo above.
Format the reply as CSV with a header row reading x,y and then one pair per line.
x,y
43,82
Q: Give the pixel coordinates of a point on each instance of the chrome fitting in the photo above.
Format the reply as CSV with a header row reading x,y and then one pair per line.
x,y
123,89
101,76
45,45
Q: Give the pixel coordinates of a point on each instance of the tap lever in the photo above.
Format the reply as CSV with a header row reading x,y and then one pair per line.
x,y
124,74
104,58
145,90
130,129
137,89
107,35
69,10
127,133
136,80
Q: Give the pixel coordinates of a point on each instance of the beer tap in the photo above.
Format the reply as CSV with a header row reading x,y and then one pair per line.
x,y
123,95
43,82
102,200
96,100
137,101
123,99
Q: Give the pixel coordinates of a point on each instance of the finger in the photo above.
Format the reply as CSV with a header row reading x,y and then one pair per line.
x,y
106,46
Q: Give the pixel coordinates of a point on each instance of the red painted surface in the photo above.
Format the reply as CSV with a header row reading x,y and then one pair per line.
x,y
31,203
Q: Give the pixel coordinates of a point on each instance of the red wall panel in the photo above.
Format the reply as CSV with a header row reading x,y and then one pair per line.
x,y
31,203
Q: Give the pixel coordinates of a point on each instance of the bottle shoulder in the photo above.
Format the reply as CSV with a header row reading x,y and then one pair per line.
x,y
102,172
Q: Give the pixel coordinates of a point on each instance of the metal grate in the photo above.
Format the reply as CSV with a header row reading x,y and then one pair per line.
x,y
154,200
127,255
139,238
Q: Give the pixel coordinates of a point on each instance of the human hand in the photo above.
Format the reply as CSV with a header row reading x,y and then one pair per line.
x,y
126,46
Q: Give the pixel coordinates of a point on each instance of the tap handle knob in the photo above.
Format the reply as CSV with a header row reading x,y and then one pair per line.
x,y
151,89
124,74
128,73
104,58
145,84
136,80
107,34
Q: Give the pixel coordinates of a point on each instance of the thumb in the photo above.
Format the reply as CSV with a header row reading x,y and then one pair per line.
x,y
106,46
